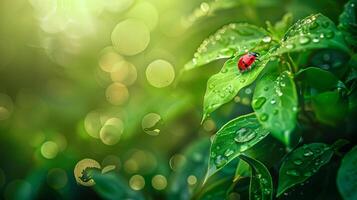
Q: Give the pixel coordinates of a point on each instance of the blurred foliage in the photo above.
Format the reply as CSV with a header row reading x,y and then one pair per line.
x,y
106,94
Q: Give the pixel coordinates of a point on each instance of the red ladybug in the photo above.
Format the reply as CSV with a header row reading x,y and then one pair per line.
x,y
246,61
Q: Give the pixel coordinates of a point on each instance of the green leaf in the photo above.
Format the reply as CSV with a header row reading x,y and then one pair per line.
x,y
348,22
194,166
302,163
242,170
230,40
280,27
261,184
313,32
275,102
318,78
110,186
347,175
235,137
224,86
219,190
329,108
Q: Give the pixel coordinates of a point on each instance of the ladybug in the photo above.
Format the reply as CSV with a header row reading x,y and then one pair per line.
x,y
246,61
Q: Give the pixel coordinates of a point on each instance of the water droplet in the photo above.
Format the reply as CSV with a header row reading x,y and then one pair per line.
x,y
224,70
220,161
289,46
211,86
329,34
298,162
258,103
266,191
292,172
263,180
282,84
228,152
204,7
244,135
264,117
278,92
308,173
275,111
267,39
243,148
304,40
242,80
308,153
266,88
315,40
244,32
322,35
273,101
313,25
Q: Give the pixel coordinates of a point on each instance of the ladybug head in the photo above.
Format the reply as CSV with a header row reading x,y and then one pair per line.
x,y
254,54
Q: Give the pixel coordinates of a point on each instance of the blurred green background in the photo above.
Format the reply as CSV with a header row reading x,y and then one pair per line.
x,y
101,79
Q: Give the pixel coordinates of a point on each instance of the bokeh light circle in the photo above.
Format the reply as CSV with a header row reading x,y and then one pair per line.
x,y
191,180
80,171
92,124
108,58
137,182
130,37
6,106
146,12
108,168
12,189
124,72
160,73
117,6
49,149
150,124
176,161
159,182
57,178
117,94
111,132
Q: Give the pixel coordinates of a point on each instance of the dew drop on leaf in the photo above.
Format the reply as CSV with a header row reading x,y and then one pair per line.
x,y
264,117
266,191
308,174
243,148
316,40
308,153
273,101
224,70
258,103
228,152
329,34
313,25
244,135
220,161
289,46
292,172
267,39
297,162
304,40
